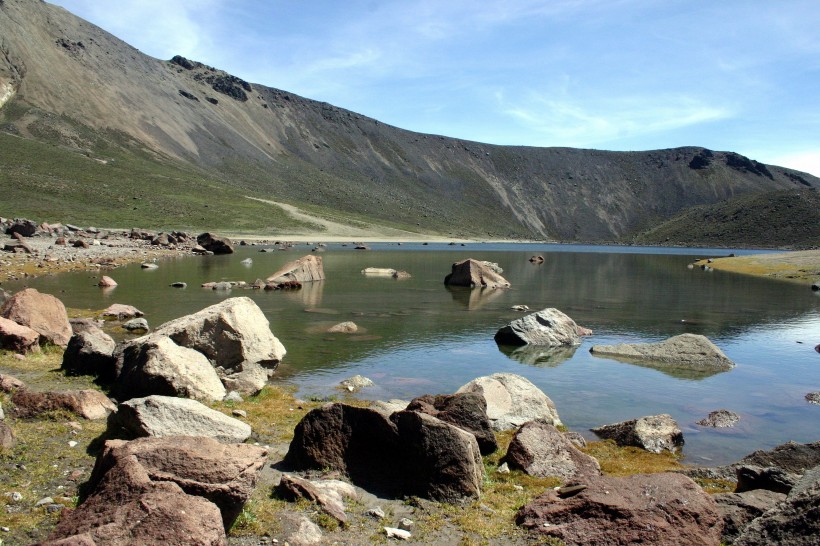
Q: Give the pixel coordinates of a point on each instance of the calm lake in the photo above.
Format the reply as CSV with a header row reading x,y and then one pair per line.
x,y
417,336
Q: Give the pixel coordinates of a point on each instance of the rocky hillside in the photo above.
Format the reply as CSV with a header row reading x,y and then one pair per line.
x,y
201,135
789,218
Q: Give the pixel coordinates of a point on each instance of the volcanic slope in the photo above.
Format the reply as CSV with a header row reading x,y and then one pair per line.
x,y
142,135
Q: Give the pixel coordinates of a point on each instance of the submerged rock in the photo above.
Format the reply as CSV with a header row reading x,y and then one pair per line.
x,y
720,419
686,351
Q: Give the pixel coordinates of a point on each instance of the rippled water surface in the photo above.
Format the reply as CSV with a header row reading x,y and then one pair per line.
x,y
418,336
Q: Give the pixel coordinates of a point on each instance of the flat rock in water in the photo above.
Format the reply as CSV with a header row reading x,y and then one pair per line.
x,y
654,433
513,400
686,351
659,509
548,327
120,311
158,416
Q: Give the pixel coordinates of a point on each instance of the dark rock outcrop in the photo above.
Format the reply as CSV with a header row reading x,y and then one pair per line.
x,y
18,338
408,453
739,509
467,411
659,509
215,243
793,522
90,352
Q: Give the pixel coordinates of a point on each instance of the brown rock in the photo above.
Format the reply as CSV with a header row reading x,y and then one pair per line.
x,y
739,509
107,282
122,312
18,338
7,438
475,273
660,509
292,488
214,243
467,411
89,404
225,474
539,449
41,312
10,383
306,269
129,506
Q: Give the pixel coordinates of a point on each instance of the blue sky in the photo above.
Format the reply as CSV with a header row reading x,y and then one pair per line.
x,y
739,75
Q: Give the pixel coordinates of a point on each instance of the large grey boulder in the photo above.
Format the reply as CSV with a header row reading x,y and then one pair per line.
x,y
654,433
512,400
549,327
541,450
687,352
306,269
90,352
43,313
158,416
475,274
408,453
233,334
659,509
157,365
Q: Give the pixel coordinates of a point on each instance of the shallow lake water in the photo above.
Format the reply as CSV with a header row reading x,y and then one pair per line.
x,y
418,336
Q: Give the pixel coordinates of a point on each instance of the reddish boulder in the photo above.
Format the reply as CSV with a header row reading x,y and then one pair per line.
x,y
475,274
41,312
9,383
107,282
660,509
89,404
467,411
305,269
130,506
539,449
17,338
224,474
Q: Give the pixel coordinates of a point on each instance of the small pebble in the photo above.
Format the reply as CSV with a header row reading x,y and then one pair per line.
x,y
72,443
406,524
43,502
503,469
239,413
376,512
5,529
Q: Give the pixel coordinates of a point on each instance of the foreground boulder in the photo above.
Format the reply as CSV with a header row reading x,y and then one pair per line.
x,y
475,274
128,507
541,450
549,327
659,509
512,400
305,269
161,416
214,243
18,338
89,404
687,352
159,366
654,433
739,509
90,351
43,313
467,411
408,453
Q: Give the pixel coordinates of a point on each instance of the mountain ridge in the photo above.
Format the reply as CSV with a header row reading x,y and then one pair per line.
x,y
69,79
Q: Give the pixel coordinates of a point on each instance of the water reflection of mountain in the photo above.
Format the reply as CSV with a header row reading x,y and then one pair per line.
x,y
643,296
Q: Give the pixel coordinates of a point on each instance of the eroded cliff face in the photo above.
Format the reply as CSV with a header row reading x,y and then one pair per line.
x,y
63,75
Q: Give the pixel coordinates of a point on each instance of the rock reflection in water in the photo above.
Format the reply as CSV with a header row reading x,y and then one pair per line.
x,y
310,295
669,369
537,355
474,298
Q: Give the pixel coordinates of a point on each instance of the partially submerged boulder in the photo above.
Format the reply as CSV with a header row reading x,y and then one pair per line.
x,y
89,404
467,411
662,509
160,416
541,450
121,311
548,327
720,419
306,269
475,273
512,400
654,433
687,351
408,453
214,243
43,313
157,365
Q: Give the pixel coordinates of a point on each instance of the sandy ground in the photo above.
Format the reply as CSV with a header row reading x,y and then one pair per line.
x,y
801,266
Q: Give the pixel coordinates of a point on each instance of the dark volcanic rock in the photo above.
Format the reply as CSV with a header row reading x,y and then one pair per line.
x,y
738,509
793,522
214,243
408,453
26,228
467,411
90,352
791,457
658,509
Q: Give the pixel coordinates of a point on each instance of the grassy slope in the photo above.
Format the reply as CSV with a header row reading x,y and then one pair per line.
x,y
788,218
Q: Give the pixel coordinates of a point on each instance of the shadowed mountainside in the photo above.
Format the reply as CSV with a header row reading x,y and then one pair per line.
x,y
200,136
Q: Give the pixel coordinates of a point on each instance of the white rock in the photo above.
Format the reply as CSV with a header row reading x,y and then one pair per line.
x,y
512,400
393,532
